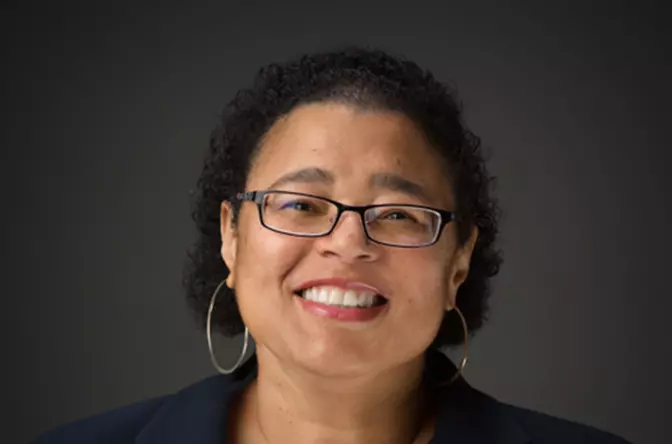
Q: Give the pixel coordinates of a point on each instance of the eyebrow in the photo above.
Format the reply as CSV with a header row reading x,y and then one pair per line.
x,y
395,182
305,175
388,181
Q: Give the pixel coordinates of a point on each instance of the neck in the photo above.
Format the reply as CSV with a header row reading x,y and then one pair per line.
x,y
289,404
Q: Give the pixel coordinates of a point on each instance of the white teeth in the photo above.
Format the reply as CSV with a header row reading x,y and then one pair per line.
x,y
340,297
336,297
309,293
323,295
350,298
366,299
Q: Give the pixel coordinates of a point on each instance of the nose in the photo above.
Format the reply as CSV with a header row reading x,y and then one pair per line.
x,y
348,240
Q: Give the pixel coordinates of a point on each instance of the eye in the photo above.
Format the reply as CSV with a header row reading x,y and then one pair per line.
x,y
397,215
297,205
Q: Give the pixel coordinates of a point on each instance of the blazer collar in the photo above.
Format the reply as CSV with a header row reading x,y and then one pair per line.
x,y
198,414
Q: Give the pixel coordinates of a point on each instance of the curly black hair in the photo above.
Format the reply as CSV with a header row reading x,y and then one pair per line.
x,y
365,78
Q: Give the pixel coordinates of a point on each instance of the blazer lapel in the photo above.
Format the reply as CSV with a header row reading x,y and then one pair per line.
x,y
198,414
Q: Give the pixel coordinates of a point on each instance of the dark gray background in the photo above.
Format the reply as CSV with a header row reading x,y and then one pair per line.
x,y
109,110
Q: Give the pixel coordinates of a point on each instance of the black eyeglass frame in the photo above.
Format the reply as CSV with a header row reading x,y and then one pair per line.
x,y
445,217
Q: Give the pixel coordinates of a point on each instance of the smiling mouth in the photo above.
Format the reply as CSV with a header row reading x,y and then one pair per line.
x,y
342,298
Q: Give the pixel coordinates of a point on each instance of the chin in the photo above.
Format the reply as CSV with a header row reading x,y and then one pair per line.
x,y
331,367
332,359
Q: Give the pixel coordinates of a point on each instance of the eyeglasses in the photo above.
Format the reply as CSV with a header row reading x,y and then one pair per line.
x,y
306,215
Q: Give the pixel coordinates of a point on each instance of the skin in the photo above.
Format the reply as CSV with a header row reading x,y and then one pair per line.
x,y
323,380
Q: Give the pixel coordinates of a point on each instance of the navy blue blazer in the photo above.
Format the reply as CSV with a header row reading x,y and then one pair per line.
x,y
197,415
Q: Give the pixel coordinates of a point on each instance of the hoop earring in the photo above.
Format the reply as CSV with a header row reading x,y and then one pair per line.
x,y
224,371
465,349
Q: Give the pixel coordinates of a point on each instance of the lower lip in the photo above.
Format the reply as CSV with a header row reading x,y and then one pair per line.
x,y
340,313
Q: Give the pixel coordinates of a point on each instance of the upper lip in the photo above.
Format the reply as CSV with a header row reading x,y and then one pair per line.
x,y
340,282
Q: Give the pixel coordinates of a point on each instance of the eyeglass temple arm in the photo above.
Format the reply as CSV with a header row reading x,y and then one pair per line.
x,y
249,195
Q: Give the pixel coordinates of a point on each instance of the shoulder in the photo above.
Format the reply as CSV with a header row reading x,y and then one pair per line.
x,y
118,426
195,413
467,414
543,428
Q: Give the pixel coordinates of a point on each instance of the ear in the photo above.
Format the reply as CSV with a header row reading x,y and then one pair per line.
x,y
229,237
460,267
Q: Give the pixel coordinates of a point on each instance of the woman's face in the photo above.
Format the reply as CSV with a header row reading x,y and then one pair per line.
x,y
342,148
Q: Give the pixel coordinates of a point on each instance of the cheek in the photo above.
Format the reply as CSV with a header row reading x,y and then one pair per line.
x,y
424,279
422,294
264,259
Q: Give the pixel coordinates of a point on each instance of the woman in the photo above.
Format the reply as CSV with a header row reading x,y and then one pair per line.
x,y
346,224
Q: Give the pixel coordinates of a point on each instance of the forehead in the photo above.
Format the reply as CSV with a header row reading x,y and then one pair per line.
x,y
349,142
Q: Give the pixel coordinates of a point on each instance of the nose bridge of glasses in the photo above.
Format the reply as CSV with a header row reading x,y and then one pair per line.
x,y
347,211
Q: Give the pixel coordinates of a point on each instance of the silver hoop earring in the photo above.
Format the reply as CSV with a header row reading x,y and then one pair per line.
x,y
224,371
465,349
